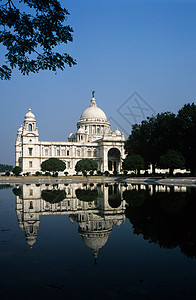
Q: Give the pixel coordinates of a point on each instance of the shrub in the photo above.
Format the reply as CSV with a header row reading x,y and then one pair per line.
x,y
38,173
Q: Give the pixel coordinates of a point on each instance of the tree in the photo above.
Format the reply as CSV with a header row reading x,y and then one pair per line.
x,y
133,162
53,165
172,160
17,170
4,168
187,132
85,165
30,38
153,137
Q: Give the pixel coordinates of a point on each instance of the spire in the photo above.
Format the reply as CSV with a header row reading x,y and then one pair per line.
x,y
93,102
95,254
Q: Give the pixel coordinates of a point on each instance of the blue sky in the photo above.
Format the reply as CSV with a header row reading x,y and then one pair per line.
x,y
121,47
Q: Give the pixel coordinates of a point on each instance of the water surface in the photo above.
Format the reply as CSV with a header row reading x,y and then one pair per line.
x,y
111,241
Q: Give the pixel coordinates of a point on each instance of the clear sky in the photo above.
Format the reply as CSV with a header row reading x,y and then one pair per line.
x,y
121,47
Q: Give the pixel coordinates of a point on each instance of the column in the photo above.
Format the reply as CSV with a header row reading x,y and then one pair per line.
x,y
105,159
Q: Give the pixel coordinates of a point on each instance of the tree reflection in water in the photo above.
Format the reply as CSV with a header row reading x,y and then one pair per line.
x,y
53,196
86,194
96,208
165,218
162,217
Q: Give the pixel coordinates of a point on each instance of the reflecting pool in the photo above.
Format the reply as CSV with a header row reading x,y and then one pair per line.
x,y
97,241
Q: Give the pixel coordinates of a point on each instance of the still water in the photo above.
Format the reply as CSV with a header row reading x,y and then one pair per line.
x,y
111,241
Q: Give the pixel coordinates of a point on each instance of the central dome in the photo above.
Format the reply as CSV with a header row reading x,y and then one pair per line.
x,y
93,112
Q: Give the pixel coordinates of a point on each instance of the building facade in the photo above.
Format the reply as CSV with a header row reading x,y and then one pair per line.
x,y
94,139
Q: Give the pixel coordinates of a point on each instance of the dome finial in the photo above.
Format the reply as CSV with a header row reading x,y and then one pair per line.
x,y
93,102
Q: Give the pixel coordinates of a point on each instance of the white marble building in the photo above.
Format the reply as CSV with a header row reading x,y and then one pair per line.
x,y
94,139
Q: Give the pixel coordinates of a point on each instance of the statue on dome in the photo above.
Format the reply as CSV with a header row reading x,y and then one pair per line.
x,y
93,94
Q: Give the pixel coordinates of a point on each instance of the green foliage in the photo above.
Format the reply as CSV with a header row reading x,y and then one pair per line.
x,y
156,135
30,37
4,168
133,162
53,196
91,172
38,173
47,174
172,160
17,170
53,165
187,133
86,165
86,195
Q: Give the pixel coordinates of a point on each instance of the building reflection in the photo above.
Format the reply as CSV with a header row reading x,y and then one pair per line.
x,y
95,207
95,217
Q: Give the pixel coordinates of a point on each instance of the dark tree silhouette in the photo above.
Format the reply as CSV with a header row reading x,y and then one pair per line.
x,y
156,135
187,130
17,191
86,195
172,160
4,168
31,36
53,196
133,162
17,170
85,165
167,219
53,165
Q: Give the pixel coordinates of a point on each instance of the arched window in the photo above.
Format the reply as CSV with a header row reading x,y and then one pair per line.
x,y
30,127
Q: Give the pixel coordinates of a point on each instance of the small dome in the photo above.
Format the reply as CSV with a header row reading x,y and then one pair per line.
x,y
93,112
20,129
81,130
30,115
31,240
